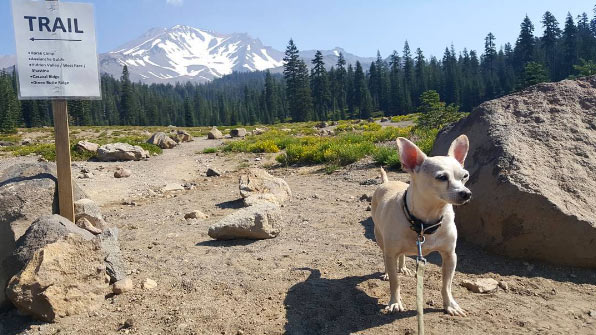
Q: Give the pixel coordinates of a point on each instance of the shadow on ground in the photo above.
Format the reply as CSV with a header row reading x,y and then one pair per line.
x,y
335,306
224,243
232,204
11,323
472,259
369,228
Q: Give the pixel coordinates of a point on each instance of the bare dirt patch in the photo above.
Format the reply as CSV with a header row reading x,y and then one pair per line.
x,y
321,275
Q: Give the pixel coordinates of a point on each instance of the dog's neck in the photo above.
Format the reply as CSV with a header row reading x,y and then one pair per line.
x,y
424,207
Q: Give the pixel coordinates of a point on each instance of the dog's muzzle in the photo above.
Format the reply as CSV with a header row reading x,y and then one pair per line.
x,y
464,196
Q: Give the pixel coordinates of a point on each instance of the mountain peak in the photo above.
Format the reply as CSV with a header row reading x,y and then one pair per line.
x,y
185,53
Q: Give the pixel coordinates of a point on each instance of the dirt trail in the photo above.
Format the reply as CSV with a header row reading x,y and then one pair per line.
x,y
320,276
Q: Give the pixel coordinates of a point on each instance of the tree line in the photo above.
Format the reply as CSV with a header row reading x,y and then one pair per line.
x,y
390,86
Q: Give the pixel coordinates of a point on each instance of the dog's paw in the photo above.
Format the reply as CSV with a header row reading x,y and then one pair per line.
x,y
385,277
453,309
406,272
395,308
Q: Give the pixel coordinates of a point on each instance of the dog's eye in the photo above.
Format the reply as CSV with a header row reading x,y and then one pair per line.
x,y
442,177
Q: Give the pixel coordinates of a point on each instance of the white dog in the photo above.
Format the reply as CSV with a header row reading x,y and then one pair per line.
x,y
436,183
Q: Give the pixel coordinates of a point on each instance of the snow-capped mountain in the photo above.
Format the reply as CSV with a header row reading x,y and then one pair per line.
x,y
183,53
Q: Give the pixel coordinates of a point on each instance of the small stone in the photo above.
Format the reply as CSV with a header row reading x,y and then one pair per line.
x,y
129,323
240,332
504,285
592,313
172,187
213,173
86,224
365,197
122,173
368,208
122,286
149,284
480,285
196,215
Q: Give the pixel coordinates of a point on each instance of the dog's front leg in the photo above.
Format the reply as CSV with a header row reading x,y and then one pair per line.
x,y
395,304
448,270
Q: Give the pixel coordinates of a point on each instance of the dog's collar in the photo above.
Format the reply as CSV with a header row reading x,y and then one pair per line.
x,y
417,225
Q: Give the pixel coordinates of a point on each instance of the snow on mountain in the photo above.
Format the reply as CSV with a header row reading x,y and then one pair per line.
x,y
183,53
330,57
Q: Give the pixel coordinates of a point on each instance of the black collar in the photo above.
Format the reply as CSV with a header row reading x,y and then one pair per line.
x,y
417,225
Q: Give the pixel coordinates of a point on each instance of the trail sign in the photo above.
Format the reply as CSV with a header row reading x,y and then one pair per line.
x,y
56,50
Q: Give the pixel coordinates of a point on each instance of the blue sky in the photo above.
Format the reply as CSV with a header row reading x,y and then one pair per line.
x,y
359,26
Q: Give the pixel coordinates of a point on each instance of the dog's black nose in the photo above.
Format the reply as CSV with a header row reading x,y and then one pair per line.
x,y
465,195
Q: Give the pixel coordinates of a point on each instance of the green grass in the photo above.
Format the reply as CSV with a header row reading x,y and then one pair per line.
x,y
209,150
48,150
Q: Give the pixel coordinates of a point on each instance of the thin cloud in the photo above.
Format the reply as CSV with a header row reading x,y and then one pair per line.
x,y
175,2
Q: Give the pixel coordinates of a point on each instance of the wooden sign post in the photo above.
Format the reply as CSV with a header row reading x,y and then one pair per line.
x,y
57,60
62,141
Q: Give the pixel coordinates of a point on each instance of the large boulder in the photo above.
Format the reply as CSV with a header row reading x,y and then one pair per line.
x,y
258,185
27,191
45,230
259,221
214,134
162,140
532,165
121,152
66,277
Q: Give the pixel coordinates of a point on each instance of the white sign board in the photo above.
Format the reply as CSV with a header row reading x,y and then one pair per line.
x,y
56,50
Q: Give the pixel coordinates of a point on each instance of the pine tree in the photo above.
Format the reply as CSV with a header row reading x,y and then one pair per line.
x,y
524,46
128,106
321,93
420,67
9,105
549,42
292,76
534,73
396,91
569,46
362,97
341,83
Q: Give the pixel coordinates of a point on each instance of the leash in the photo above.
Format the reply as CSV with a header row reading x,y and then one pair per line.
x,y
420,264
421,228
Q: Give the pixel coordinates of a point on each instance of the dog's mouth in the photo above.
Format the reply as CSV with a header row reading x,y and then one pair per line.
x,y
462,202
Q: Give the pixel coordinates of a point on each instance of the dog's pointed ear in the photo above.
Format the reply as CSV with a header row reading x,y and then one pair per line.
x,y
409,154
459,149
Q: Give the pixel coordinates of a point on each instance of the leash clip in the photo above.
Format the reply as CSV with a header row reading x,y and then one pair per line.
x,y
419,242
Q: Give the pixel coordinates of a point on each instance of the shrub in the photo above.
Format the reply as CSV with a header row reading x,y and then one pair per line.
x,y
387,156
209,150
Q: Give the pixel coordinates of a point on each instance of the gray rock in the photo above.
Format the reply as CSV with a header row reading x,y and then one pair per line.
x,y
480,285
7,144
27,191
260,221
65,277
213,173
181,136
115,266
86,224
86,146
259,184
214,134
45,230
121,152
122,173
238,132
162,140
88,209
196,214
532,165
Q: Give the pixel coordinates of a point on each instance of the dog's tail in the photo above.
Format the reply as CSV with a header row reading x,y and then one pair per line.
x,y
384,176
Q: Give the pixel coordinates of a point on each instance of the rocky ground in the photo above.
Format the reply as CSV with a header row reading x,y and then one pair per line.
x,y
321,275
